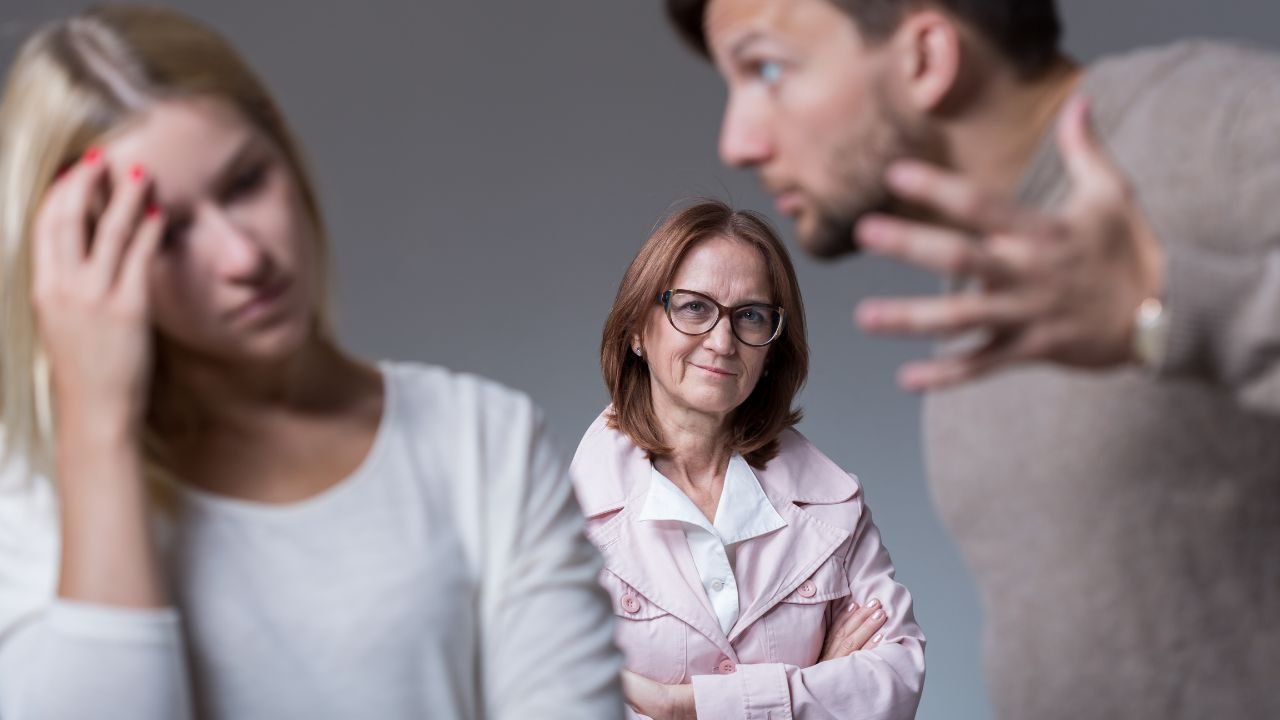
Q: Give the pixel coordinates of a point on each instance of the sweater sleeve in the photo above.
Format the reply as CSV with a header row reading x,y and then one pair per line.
x,y
1224,315
1223,291
884,682
63,660
548,635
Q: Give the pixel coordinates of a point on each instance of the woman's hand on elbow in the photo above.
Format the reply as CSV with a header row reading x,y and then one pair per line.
x,y
656,700
855,629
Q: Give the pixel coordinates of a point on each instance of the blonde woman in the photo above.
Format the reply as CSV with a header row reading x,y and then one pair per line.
x,y
209,509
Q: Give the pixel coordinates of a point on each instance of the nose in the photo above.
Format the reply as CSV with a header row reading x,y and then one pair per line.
x,y
744,138
721,340
239,256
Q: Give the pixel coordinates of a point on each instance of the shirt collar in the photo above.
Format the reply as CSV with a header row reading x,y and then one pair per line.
x,y
744,511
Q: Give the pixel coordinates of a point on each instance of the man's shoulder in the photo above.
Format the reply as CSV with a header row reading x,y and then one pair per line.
x,y
1208,69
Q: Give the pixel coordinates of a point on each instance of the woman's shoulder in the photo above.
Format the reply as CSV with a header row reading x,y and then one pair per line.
x,y
606,467
456,396
802,473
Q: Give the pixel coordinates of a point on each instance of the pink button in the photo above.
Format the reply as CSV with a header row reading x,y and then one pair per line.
x,y
630,604
726,667
808,589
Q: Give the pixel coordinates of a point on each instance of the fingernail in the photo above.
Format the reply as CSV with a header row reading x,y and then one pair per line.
x,y
93,155
870,314
877,615
153,210
853,607
904,175
873,604
872,231
137,173
877,639
914,378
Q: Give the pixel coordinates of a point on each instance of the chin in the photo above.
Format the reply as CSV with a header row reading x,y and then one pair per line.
x,y
713,403
274,344
824,236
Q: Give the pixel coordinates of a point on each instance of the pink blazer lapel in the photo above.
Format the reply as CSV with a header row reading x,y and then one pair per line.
x,y
771,567
611,475
654,558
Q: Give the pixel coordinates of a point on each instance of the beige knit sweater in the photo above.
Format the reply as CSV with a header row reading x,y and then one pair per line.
x,y
1124,528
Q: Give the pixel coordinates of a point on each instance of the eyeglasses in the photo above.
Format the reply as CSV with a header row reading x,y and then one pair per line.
x,y
693,313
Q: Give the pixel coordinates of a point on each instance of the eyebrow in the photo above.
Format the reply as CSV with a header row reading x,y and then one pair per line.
x,y
250,150
742,43
247,148
747,301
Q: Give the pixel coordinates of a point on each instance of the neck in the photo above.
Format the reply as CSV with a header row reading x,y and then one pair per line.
x,y
993,142
699,450
199,394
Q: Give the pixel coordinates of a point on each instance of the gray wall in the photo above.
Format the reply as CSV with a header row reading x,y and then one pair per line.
x,y
489,169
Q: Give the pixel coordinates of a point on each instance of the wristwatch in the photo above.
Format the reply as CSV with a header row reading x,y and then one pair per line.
x,y
1150,332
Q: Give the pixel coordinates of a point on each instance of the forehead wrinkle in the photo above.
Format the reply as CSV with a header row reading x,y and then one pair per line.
x,y
729,281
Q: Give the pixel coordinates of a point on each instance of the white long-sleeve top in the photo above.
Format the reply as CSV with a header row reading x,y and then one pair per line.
x,y
447,577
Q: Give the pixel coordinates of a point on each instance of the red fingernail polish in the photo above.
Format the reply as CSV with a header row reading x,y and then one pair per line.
x,y
93,155
153,210
137,173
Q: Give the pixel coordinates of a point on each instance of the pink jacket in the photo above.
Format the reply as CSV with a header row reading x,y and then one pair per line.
x,y
791,583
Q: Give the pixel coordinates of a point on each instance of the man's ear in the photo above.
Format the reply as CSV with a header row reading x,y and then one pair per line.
x,y
928,48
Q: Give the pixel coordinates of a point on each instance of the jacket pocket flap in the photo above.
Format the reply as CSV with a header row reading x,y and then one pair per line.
x,y
628,603
827,583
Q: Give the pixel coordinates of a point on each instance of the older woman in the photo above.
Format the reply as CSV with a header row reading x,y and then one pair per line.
x,y
746,574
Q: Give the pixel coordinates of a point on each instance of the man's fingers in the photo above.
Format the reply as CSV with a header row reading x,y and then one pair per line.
x,y
1092,170
957,199
1001,350
938,249
942,315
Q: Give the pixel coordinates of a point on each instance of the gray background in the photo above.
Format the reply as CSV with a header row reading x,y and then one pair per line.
x,y
488,170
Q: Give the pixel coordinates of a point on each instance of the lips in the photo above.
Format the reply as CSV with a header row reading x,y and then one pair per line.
x,y
714,370
786,198
788,203
262,301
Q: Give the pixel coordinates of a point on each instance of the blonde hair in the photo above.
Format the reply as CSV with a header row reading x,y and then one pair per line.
x,y
72,83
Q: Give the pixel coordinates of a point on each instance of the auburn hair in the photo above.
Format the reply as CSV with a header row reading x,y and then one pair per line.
x,y
767,411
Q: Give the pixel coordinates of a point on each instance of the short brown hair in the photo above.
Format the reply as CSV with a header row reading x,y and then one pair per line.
x,y
756,423
1026,32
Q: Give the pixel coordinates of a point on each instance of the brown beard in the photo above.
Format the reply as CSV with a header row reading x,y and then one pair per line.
x,y
858,165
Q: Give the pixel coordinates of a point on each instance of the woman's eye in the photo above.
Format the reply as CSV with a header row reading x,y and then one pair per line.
x,y
246,182
174,234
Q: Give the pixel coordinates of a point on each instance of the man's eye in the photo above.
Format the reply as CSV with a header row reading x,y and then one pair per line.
x,y
768,71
